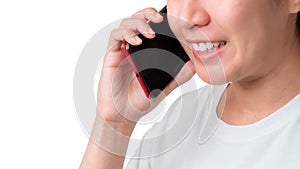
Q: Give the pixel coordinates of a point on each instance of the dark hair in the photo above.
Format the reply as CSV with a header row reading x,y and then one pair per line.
x,y
298,24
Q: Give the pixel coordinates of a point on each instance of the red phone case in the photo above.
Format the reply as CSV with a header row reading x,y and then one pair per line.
x,y
139,77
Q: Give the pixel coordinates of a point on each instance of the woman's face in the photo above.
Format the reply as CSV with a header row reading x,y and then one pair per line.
x,y
255,36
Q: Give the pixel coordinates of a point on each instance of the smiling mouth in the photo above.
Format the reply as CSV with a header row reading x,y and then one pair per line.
x,y
207,47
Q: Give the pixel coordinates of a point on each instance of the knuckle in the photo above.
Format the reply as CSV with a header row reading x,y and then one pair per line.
x,y
132,23
126,34
125,22
141,23
144,27
114,32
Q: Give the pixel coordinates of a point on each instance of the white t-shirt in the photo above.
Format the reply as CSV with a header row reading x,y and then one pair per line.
x,y
191,136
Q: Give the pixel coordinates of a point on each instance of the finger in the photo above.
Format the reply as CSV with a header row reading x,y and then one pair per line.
x,y
139,26
118,36
147,13
153,16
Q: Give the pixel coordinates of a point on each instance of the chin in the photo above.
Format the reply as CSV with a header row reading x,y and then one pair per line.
x,y
215,78
211,73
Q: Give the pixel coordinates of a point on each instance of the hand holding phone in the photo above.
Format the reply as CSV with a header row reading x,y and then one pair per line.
x,y
157,61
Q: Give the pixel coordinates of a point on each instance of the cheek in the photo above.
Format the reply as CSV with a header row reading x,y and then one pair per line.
x,y
245,33
174,6
244,25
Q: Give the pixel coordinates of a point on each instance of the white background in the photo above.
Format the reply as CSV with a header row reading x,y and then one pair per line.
x,y
40,42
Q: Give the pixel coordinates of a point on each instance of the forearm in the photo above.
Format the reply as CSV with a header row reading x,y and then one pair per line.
x,y
97,158
107,146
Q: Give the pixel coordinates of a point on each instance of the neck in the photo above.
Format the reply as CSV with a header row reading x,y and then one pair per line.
x,y
248,101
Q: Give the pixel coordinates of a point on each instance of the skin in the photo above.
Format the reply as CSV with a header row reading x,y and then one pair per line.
x,y
263,22
122,107
258,71
261,59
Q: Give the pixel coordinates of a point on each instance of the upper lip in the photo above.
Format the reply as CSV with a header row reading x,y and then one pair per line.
x,y
195,36
197,40
206,41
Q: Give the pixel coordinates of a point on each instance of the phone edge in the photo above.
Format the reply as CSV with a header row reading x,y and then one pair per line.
x,y
137,74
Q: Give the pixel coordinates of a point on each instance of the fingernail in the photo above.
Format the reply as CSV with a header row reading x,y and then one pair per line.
x,y
157,15
137,39
150,31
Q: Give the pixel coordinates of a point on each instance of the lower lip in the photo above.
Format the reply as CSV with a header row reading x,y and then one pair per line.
x,y
206,56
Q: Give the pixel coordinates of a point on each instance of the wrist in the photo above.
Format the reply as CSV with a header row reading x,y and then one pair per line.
x,y
112,136
117,122
124,127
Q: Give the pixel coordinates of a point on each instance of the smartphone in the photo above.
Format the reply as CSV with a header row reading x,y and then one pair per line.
x,y
157,61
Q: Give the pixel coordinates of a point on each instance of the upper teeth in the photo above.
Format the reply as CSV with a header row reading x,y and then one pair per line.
x,y
207,46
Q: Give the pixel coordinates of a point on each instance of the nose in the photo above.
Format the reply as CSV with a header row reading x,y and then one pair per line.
x,y
194,12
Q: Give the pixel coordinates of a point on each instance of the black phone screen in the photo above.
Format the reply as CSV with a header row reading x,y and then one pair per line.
x,y
158,61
